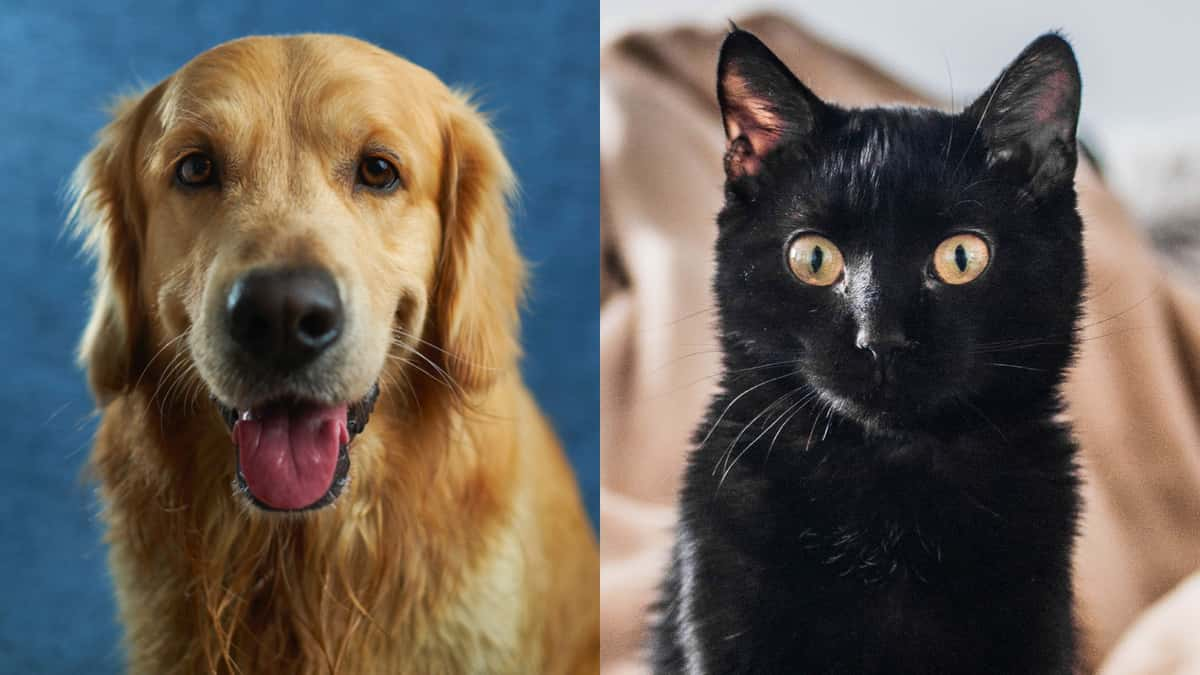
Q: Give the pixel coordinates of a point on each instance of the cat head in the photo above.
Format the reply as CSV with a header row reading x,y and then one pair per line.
x,y
911,265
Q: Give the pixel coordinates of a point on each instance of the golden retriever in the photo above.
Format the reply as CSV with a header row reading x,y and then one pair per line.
x,y
316,453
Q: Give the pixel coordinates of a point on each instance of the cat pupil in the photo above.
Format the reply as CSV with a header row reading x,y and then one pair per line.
x,y
818,257
960,258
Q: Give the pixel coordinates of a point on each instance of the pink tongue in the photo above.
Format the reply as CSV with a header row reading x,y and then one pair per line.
x,y
288,454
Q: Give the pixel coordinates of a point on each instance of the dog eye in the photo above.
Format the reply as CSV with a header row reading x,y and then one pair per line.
x,y
377,173
196,170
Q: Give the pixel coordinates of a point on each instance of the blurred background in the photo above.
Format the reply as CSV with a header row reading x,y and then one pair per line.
x,y
1141,103
534,66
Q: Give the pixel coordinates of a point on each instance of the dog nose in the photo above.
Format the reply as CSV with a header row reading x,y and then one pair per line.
x,y
284,317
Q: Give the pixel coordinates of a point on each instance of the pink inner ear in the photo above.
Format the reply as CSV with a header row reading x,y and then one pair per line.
x,y
748,114
1055,89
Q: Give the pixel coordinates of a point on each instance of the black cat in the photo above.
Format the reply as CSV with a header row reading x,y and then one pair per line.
x,y
884,483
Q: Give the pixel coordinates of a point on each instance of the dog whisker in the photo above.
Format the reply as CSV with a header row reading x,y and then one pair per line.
x,y
457,357
177,378
176,362
441,375
165,346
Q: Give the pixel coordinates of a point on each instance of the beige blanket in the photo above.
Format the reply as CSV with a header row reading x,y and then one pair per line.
x,y
1134,395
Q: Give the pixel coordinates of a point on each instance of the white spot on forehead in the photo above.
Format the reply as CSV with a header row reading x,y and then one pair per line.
x,y
876,147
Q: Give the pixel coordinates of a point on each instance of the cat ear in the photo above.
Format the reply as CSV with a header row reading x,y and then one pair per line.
x,y
762,103
1027,118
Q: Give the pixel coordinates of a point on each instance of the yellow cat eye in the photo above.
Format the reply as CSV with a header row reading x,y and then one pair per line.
x,y
815,260
961,259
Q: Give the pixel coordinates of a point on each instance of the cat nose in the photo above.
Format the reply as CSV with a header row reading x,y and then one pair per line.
x,y
882,345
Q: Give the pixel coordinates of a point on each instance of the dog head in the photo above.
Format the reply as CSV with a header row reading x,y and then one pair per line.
x,y
289,223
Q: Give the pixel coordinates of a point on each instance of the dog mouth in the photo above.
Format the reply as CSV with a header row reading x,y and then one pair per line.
x,y
294,454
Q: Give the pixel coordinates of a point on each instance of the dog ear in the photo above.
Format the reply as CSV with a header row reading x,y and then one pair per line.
x,y
481,276
107,214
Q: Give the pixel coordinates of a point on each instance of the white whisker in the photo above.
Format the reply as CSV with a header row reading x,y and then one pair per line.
x,y
745,427
735,400
808,397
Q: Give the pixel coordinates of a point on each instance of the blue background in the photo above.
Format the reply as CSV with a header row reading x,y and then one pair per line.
x,y
535,66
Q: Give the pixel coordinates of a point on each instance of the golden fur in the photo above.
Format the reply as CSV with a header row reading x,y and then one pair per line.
x,y
460,545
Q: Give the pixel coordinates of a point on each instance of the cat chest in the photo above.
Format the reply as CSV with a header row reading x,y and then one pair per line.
x,y
897,625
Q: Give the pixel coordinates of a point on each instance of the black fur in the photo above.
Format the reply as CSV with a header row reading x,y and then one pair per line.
x,y
842,514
